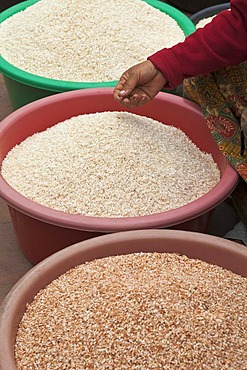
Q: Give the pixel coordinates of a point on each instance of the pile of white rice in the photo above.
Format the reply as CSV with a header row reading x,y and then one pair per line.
x,y
110,164
85,40
204,21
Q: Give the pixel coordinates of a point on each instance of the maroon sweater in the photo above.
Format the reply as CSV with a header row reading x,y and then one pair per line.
x,y
221,43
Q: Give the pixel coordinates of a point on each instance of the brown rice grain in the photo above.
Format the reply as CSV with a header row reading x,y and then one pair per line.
x,y
138,311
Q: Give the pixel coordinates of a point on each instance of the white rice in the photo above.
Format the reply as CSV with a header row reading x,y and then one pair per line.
x,y
85,40
204,21
113,164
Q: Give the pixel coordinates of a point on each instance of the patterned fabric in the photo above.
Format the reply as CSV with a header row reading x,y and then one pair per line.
x,y
222,96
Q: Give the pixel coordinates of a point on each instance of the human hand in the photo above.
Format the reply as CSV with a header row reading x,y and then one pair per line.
x,y
138,85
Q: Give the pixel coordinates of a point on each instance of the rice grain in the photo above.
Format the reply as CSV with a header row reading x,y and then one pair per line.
x,y
110,164
138,311
84,41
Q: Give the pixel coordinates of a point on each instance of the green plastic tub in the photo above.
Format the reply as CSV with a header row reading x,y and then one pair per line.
x,y
24,87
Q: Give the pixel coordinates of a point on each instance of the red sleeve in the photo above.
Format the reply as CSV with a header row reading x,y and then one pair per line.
x,y
221,43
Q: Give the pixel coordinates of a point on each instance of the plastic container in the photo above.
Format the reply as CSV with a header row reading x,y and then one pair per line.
x,y
24,87
208,12
211,249
42,231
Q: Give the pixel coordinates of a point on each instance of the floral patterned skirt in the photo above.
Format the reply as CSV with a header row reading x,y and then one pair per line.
x,y
222,96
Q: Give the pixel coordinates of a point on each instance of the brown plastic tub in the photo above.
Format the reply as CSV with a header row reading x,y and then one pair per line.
x,y
211,249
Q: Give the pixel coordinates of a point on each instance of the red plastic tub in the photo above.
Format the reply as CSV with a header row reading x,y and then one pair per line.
x,y
42,231
214,250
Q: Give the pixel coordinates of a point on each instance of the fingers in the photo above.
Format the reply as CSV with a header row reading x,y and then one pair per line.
x,y
134,86
135,100
127,83
127,94
123,88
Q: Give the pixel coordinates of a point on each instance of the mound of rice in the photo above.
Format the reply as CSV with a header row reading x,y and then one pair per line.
x,y
110,164
75,40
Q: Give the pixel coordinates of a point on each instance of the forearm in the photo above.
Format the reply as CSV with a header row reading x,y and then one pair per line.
x,y
221,43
